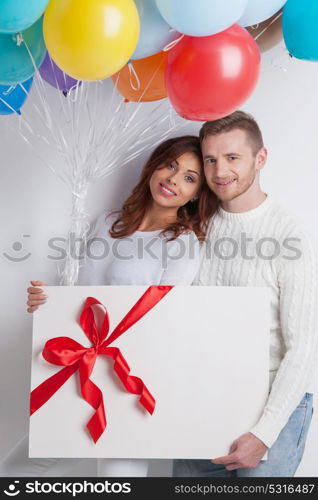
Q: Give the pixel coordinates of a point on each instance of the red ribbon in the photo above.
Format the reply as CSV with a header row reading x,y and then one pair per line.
x,y
64,351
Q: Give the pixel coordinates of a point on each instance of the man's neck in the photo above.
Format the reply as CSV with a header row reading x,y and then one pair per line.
x,y
245,202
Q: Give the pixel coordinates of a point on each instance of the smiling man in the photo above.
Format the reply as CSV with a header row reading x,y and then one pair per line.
x,y
253,241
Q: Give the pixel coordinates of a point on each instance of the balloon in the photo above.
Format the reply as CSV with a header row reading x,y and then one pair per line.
x,y
16,64
53,75
12,97
210,77
150,73
91,40
201,18
260,10
268,33
18,15
155,33
300,29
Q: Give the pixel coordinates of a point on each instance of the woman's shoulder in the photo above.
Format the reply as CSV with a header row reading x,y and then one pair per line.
x,y
186,241
107,218
186,236
102,221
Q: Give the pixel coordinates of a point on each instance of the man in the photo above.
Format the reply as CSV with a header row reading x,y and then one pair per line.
x,y
274,252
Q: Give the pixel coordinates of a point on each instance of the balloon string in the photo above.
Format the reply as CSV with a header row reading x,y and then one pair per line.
x,y
73,92
93,137
150,81
133,73
268,26
19,39
16,111
172,44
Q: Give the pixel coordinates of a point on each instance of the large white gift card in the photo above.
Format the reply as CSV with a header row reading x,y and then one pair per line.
x,y
200,355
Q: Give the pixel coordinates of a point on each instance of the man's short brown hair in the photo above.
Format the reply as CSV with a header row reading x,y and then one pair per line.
x,y
237,120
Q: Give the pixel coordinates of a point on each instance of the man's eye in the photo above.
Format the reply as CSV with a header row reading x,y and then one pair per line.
x,y
210,160
233,158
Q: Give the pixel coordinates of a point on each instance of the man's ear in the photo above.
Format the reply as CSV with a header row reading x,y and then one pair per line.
x,y
261,158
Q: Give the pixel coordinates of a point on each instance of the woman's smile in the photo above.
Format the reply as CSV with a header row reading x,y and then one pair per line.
x,y
165,190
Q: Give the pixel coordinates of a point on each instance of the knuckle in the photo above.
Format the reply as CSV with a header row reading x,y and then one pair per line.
x,y
246,463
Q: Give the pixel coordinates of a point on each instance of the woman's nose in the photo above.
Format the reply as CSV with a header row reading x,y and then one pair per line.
x,y
172,179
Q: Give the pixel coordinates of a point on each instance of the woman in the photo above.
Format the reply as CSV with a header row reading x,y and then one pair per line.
x,y
153,240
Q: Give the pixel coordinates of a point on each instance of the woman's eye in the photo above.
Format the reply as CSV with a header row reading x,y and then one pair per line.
x,y
171,167
189,178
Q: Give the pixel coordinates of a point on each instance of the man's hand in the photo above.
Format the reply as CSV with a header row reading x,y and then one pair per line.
x,y
246,451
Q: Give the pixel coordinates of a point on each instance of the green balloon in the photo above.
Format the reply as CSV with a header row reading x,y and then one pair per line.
x,y
16,64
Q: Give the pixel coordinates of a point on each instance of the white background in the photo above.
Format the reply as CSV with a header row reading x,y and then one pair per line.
x,y
34,202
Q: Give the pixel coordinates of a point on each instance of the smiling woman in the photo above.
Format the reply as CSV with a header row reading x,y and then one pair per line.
x,y
171,194
152,240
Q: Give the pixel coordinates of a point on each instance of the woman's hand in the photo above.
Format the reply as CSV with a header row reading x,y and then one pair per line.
x,y
36,296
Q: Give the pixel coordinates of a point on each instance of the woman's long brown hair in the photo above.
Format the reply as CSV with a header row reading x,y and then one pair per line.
x,y
193,216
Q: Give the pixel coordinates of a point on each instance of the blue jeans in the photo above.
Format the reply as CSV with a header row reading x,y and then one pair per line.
x,y
283,457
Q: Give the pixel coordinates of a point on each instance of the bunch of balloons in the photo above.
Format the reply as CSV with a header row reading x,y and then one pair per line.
x,y
198,53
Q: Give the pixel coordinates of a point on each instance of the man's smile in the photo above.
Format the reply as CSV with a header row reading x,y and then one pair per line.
x,y
223,184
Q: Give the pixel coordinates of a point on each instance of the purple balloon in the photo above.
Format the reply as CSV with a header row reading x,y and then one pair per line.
x,y
53,75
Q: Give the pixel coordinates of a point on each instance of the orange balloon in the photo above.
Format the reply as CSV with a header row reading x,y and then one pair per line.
x,y
145,79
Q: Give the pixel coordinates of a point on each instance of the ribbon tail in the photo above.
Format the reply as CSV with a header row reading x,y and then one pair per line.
x,y
43,392
133,384
94,397
147,301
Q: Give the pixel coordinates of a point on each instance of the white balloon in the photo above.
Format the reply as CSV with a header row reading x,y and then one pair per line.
x,y
258,11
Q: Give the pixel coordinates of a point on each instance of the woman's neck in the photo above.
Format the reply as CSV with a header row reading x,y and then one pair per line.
x,y
157,218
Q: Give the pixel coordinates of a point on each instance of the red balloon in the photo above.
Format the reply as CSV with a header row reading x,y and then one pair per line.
x,y
210,77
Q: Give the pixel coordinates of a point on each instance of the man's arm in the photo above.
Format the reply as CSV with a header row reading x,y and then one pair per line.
x,y
298,285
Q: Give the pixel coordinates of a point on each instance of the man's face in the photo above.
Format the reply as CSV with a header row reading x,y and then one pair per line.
x,y
230,166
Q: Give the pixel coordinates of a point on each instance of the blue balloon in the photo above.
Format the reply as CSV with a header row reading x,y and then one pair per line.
x,y
201,17
155,33
258,11
300,20
18,15
12,97
16,64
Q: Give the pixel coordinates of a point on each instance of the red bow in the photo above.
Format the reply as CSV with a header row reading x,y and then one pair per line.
x,y
65,351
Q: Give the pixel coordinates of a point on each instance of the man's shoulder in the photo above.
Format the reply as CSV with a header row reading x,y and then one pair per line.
x,y
289,231
285,222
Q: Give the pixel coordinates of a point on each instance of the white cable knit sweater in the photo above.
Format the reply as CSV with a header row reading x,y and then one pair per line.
x,y
266,247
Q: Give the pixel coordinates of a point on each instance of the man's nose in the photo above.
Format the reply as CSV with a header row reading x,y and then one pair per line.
x,y
220,168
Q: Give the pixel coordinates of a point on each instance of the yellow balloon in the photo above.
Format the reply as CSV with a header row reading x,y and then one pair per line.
x,y
91,39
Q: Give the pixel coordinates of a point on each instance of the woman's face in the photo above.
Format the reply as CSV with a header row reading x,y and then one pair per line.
x,y
173,185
